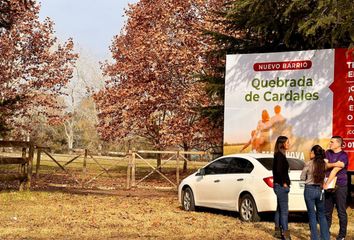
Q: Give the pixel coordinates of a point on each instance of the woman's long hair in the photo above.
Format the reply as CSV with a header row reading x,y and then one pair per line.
x,y
319,164
279,145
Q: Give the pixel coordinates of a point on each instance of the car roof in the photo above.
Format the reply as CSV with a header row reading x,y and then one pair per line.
x,y
252,155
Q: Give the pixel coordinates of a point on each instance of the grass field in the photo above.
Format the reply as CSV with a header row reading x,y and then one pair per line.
x,y
134,214
58,208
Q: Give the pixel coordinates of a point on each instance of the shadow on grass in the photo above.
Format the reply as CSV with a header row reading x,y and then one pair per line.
x,y
299,218
140,193
295,217
298,221
134,193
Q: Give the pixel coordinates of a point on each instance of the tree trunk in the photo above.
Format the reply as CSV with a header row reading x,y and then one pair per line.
x,y
186,156
158,162
69,132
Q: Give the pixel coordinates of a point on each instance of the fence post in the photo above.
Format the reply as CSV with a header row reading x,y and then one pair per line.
x,y
38,161
22,167
177,168
30,165
23,152
128,168
133,167
84,169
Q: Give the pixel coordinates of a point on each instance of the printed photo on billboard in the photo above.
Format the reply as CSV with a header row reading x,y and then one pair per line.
x,y
273,94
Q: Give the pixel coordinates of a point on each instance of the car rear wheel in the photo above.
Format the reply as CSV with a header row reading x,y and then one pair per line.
x,y
248,209
188,200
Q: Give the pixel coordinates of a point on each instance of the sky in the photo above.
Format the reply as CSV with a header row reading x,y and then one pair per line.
x,y
91,23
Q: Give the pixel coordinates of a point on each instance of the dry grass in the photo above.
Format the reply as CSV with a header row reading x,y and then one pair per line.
x,y
134,214
90,213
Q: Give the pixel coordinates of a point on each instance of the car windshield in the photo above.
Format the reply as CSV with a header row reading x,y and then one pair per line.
x,y
294,163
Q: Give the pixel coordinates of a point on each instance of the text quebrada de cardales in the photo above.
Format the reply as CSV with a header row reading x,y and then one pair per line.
x,y
294,90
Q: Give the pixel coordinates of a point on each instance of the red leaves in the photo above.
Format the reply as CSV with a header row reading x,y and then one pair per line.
x,y
14,10
33,66
152,91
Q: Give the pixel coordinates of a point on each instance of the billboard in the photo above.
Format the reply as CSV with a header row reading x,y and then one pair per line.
x,y
307,96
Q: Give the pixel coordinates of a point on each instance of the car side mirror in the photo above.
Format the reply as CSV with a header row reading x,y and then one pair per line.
x,y
201,172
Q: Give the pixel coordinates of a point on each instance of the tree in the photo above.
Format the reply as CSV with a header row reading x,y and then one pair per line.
x,y
87,79
153,92
48,135
34,69
87,135
264,26
12,11
213,72
250,26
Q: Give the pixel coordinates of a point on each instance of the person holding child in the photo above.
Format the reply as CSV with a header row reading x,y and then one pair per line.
x,y
337,166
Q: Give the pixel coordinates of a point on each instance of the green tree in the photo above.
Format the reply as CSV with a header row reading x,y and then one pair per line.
x,y
274,25
258,26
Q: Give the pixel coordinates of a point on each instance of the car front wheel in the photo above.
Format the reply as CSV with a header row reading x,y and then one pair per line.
x,y
248,209
188,200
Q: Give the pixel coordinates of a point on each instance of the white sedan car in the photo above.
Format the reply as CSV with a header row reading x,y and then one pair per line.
x,y
242,183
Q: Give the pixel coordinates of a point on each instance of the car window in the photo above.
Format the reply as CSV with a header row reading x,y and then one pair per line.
x,y
266,162
240,165
218,167
294,163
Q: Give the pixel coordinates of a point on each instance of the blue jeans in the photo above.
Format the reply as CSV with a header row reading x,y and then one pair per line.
x,y
315,198
282,212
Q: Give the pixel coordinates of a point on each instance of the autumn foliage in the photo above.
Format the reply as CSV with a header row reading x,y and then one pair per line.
x,y
153,91
34,67
12,11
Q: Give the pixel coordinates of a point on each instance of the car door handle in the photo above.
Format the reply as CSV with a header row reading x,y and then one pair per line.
x,y
240,179
217,180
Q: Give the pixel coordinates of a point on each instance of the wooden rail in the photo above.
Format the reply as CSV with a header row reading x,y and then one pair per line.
x,y
176,158
25,162
174,155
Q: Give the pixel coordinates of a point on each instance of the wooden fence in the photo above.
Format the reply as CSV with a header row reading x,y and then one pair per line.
x,y
79,177
129,159
23,173
179,156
